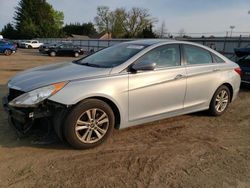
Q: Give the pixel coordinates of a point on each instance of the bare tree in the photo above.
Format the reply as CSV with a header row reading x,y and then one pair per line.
x,y
136,20
118,17
103,19
123,23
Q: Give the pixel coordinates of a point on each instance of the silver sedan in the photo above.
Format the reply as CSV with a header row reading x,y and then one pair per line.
x,y
121,86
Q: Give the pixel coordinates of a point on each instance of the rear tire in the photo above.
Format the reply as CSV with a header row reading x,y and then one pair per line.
x,y
89,124
7,52
220,101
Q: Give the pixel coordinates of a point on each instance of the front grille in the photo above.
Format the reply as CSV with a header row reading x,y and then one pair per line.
x,y
13,93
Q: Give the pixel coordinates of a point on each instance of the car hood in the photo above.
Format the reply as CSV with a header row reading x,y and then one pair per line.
x,y
49,74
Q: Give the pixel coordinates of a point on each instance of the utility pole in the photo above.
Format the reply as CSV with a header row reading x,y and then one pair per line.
x,y
231,27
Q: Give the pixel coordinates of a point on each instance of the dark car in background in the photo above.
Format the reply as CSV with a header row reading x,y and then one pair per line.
x,y
7,47
46,46
244,64
241,52
65,50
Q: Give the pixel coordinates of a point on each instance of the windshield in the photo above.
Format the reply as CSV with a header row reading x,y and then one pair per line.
x,y
112,56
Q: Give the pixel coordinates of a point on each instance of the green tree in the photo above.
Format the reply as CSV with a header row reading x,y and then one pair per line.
x,y
80,29
147,33
37,18
9,31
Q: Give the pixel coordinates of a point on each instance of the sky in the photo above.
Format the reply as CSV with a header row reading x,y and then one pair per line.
x,y
194,16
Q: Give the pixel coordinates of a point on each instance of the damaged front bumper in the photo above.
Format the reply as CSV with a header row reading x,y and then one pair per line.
x,y
22,119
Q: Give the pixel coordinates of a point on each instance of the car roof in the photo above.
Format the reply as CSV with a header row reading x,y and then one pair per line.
x,y
148,42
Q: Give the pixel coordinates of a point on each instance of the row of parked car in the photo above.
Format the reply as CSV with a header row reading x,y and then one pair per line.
x,y
65,48
52,49
9,47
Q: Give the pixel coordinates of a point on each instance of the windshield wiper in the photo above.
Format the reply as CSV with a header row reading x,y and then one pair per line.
x,y
90,64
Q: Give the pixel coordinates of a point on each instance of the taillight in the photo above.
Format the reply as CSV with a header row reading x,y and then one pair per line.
x,y
238,70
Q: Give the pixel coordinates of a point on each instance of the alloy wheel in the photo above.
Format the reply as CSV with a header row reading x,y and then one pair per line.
x,y
92,125
221,101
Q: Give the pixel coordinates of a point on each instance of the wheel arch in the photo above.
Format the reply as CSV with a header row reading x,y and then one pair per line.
x,y
229,86
112,105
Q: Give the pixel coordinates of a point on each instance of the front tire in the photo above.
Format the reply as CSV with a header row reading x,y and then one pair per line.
x,y
76,54
220,101
52,54
7,52
89,124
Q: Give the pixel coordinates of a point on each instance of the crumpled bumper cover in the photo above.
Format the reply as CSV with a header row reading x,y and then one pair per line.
x,y
23,118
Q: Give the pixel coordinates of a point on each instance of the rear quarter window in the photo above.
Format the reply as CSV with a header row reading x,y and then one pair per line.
x,y
217,59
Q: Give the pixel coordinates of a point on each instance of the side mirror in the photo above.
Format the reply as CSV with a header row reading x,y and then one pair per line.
x,y
144,66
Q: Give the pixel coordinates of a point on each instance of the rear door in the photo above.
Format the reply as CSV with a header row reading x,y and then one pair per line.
x,y
202,76
71,49
159,91
61,50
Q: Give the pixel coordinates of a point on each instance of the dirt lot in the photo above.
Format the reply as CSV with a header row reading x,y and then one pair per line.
x,y
193,150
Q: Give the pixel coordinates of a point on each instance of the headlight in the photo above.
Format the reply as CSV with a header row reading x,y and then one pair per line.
x,y
34,97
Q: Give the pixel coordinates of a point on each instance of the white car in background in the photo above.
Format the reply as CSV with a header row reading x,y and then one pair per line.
x,y
30,44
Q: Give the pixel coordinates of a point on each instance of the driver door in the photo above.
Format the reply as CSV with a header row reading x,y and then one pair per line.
x,y
160,91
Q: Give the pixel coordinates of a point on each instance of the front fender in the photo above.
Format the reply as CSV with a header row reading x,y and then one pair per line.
x,y
114,88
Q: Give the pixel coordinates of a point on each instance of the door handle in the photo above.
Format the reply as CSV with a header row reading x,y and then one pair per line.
x,y
179,76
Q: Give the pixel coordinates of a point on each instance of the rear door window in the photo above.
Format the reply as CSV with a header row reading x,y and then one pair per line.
x,y
196,55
